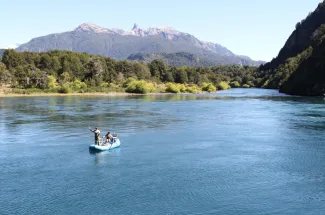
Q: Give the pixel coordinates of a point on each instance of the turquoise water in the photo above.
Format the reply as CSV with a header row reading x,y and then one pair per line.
x,y
241,151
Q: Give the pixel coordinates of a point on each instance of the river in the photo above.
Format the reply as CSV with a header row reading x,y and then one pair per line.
x,y
242,151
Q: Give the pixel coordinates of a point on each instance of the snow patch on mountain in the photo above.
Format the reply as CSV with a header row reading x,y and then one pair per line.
x,y
90,27
165,32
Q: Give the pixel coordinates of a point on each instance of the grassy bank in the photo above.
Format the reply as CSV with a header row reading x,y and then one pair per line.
x,y
9,93
130,86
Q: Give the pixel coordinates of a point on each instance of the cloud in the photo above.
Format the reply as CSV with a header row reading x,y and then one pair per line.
x,y
11,46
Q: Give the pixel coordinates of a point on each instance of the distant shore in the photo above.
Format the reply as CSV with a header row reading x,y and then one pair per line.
x,y
6,93
3,95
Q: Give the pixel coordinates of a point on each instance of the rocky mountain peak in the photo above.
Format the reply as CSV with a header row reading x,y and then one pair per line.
x,y
90,27
119,44
135,26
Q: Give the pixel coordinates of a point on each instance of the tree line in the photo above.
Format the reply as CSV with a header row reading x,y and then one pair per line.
x,y
59,70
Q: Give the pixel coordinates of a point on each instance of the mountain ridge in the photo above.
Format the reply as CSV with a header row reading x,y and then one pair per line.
x,y
120,44
172,59
181,59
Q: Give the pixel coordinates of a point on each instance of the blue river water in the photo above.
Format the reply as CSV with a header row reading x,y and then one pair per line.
x,y
242,151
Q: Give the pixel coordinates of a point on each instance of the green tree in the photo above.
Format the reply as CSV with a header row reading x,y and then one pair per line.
x,y
235,84
157,70
142,71
12,59
5,75
76,67
191,72
45,62
181,76
55,65
65,77
38,79
2,67
169,77
110,74
96,70
23,75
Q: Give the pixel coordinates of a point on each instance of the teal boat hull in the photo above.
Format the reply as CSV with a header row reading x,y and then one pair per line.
x,y
105,147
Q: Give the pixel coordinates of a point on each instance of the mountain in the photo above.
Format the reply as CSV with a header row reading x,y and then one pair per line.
x,y
299,67
301,38
309,77
174,59
184,58
120,44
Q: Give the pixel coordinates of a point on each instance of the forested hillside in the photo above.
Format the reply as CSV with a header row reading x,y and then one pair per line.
x,y
66,71
308,79
188,59
298,69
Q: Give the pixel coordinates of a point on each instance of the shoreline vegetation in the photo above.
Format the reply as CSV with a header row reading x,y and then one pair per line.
x,y
8,92
111,94
130,87
70,73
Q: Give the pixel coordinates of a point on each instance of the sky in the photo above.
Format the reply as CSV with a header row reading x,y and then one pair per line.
x,y
256,28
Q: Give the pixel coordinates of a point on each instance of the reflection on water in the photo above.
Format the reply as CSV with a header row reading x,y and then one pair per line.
x,y
101,157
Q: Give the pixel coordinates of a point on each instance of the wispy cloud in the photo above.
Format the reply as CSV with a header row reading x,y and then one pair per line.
x,y
11,46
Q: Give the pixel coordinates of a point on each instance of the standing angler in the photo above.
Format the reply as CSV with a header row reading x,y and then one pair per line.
x,y
97,135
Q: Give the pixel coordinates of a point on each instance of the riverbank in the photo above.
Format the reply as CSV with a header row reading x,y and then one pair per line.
x,y
7,92
112,94
68,94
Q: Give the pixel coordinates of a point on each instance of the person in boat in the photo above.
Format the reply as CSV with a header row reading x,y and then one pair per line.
x,y
109,137
97,135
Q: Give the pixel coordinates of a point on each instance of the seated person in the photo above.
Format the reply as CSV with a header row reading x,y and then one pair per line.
x,y
109,137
